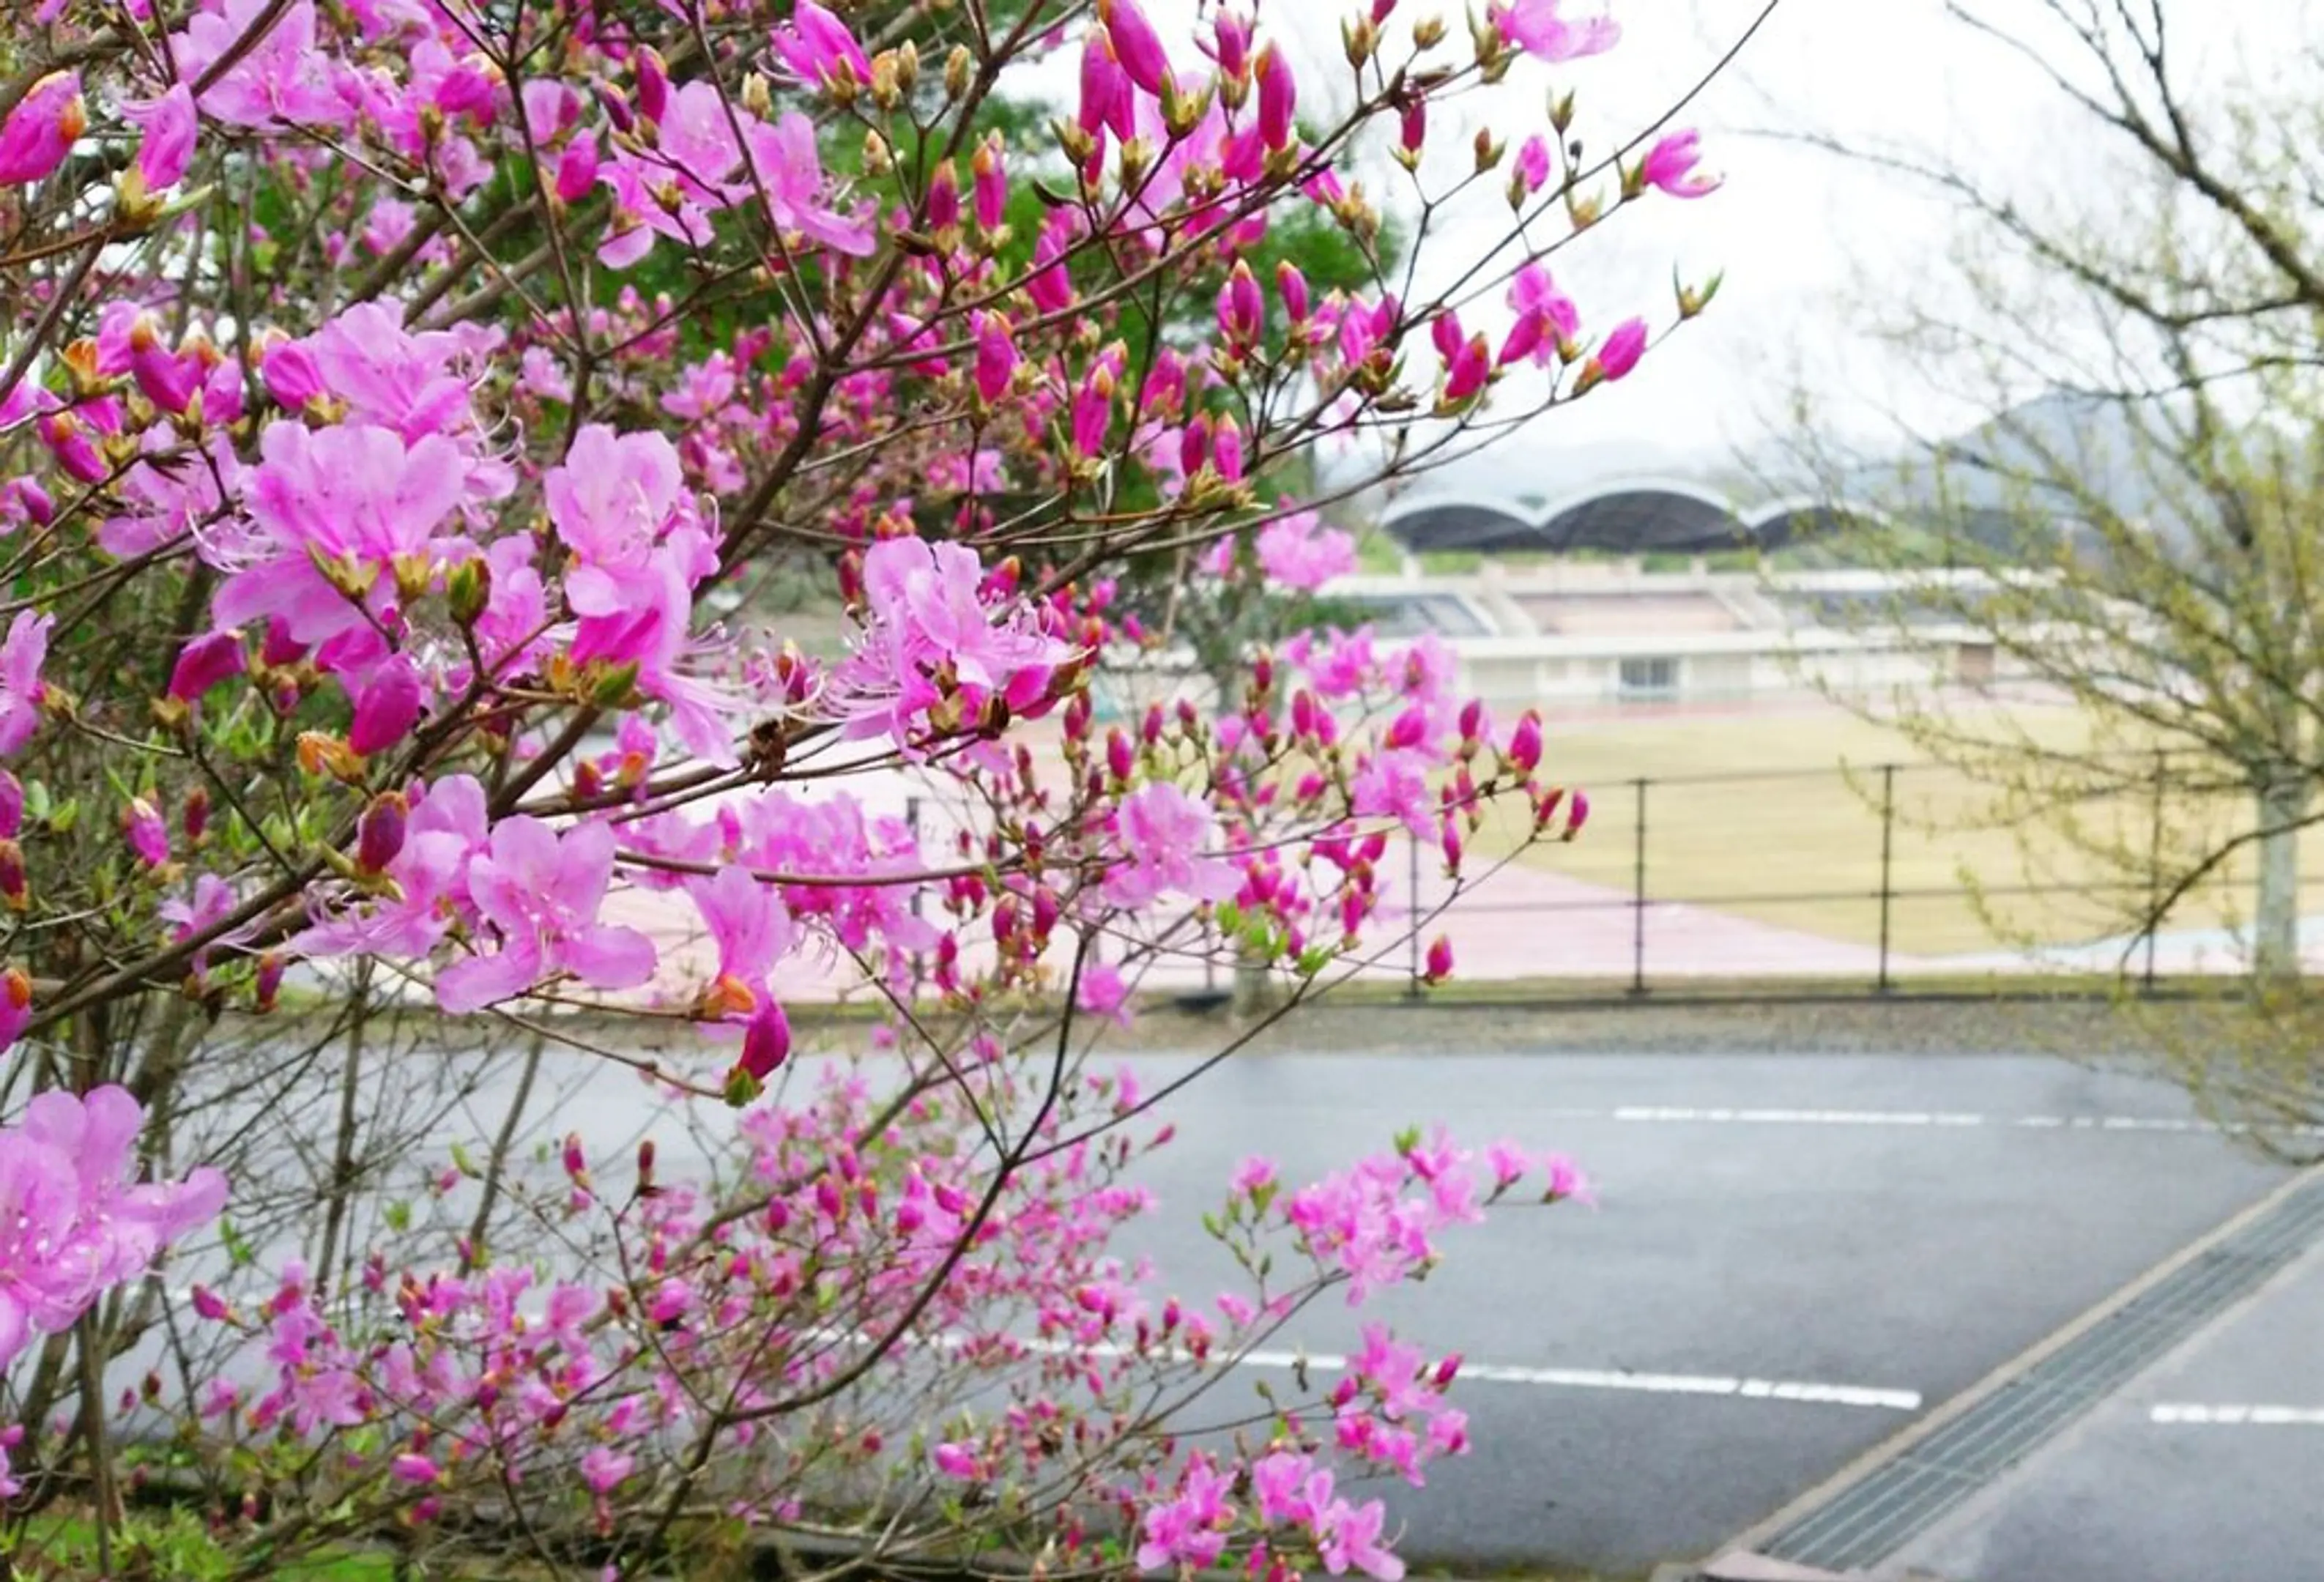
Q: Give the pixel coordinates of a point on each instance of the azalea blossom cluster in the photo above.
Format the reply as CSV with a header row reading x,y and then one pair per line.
x,y
493,501
597,1390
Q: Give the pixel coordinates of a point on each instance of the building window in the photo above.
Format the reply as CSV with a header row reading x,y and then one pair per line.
x,y
1649,678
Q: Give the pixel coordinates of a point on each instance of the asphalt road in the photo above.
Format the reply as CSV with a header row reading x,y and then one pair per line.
x,y
1874,1238
1799,1252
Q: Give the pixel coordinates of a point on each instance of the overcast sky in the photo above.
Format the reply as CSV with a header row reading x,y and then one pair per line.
x,y
1799,232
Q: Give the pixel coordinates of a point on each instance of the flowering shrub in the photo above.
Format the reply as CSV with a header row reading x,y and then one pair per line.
x,y
415,416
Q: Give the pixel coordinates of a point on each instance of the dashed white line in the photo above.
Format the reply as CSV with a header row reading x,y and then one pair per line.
x,y
2239,1416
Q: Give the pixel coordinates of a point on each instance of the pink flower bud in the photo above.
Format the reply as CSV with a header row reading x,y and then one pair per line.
x,y
941,212
1291,287
194,817
1525,743
1523,341
996,356
1051,284
40,131
1472,365
1242,311
1444,333
767,1042
1440,960
1119,760
1093,413
148,835
1136,44
280,647
1105,100
269,985
1533,163
291,375
991,183
577,169
168,380
379,832
653,85
411,1469
1623,348
1226,448
1230,43
69,440
207,1304
387,709
1412,123
11,806
1278,96
204,662
1578,814
1194,443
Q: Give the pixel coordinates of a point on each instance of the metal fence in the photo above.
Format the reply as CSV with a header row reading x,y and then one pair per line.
x,y
1883,878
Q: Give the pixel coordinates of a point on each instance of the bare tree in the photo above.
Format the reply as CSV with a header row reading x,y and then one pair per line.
x,y
2145,498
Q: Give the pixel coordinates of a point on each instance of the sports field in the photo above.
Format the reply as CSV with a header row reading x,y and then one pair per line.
x,y
1776,815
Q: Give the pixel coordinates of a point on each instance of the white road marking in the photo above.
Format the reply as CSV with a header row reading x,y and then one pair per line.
x,y
1567,1378
2240,1416
1326,1362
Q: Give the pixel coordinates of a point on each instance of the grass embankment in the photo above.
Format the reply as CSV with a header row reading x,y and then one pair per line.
x,y
1776,816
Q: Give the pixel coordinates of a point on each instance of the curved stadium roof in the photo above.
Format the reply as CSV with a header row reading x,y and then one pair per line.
x,y
1625,517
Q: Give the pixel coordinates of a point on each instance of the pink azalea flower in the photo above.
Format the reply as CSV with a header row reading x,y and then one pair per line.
x,y
603,1469
284,78
790,169
541,893
1350,1539
74,1223
928,614
22,654
1297,551
749,925
1670,165
170,126
611,500
1103,992
1535,26
40,131
1163,834
814,40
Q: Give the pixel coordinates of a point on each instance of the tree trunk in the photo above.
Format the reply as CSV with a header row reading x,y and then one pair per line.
x,y
2284,800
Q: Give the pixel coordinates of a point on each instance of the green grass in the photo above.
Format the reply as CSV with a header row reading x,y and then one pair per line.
x,y
175,1545
1776,816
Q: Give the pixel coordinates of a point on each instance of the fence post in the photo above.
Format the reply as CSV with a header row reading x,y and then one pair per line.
x,y
1638,899
2154,866
1412,944
912,826
1888,866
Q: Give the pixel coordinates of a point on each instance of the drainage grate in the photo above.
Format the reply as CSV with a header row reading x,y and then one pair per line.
x,y
1896,1502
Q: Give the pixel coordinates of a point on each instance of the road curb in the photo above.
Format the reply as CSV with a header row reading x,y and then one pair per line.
x,y
1905,1440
